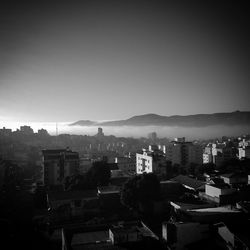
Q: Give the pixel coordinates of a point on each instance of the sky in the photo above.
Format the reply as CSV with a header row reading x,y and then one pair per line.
x,y
108,60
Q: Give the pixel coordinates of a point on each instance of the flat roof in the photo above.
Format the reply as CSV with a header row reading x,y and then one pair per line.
x,y
189,182
231,175
215,210
189,206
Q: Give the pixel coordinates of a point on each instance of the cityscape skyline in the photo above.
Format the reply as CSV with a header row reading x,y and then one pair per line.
x,y
124,124
112,60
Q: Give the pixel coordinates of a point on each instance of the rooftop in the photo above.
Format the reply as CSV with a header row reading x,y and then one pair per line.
x,y
231,175
71,195
215,210
240,229
190,206
220,185
189,182
98,237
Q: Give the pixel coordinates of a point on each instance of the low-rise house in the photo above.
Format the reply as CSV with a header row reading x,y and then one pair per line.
x,y
220,194
130,232
235,179
123,235
215,214
180,234
204,212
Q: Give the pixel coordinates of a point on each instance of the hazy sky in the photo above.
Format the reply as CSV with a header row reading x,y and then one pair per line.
x,y
68,60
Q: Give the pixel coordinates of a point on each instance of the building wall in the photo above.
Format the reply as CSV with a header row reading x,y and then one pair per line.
x,y
85,165
190,232
59,164
235,180
222,153
207,158
178,235
121,236
244,152
144,163
126,163
216,192
184,153
226,235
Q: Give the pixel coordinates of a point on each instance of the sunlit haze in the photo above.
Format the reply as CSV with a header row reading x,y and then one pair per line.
x,y
108,60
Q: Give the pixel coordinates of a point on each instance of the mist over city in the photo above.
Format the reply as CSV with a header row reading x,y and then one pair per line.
x,y
190,133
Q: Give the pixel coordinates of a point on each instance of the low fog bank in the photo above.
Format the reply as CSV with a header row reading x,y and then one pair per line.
x,y
168,132
191,133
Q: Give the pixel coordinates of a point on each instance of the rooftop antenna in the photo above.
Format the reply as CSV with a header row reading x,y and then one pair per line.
x,y
56,130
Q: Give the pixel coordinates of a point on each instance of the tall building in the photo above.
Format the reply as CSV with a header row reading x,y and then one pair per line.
x,y
181,152
26,130
58,164
244,149
222,152
207,154
152,136
151,161
126,163
100,133
5,131
42,132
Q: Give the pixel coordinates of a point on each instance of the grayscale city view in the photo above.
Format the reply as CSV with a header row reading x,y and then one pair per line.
x,y
124,124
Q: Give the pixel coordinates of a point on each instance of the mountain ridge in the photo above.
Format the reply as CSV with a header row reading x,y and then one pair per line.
x,y
196,120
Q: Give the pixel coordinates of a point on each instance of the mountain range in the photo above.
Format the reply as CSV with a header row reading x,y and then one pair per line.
x,y
198,120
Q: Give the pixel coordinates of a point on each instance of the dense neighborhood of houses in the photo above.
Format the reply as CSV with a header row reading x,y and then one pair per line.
x,y
177,195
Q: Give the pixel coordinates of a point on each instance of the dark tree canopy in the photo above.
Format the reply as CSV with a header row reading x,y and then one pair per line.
x,y
141,189
13,175
98,175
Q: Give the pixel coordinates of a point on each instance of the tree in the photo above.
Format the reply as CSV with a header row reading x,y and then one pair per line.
x,y
99,173
13,176
141,191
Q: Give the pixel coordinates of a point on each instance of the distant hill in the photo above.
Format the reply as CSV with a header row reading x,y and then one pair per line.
x,y
199,120
83,123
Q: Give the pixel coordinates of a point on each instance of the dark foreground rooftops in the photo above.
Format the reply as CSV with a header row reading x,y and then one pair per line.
x,y
189,182
71,195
